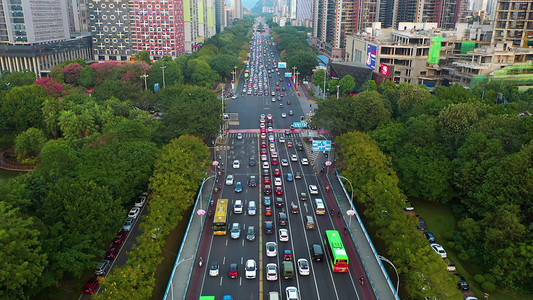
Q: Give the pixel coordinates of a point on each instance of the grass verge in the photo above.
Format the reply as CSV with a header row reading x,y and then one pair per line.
x,y
440,219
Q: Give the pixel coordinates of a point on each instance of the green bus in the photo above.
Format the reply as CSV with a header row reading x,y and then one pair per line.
x,y
336,252
207,298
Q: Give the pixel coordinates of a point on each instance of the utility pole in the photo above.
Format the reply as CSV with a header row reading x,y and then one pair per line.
x,y
293,73
163,67
145,83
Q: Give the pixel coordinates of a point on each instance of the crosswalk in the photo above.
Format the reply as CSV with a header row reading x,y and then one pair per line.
x,y
256,135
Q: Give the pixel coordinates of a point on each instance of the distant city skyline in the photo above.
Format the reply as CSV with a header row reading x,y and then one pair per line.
x,y
246,3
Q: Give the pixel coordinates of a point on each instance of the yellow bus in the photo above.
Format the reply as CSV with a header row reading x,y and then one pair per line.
x,y
220,223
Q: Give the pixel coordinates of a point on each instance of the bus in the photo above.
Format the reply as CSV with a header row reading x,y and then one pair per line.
x,y
220,223
207,298
335,251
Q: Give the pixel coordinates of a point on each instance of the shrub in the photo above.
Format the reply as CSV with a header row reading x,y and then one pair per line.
x,y
459,247
479,278
458,209
488,286
448,235
490,278
463,256
450,245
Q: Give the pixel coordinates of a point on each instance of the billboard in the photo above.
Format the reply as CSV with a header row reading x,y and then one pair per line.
x,y
321,145
371,52
385,70
288,74
282,64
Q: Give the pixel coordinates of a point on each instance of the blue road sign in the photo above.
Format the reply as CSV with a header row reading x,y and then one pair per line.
x,y
322,145
299,124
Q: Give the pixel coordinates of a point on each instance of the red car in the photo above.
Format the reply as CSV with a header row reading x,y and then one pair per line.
x,y
277,89
263,151
275,162
288,102
263,144
263,130
268,190
277,172
112,252
279,191
268,211
120,238
266,180
91,286
289,144
266,172
281,95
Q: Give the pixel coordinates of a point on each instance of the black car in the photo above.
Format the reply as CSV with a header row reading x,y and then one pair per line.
x,y
298,175
299,147
430,236
421,224
266,172
251,162
282,218
252,182
269,227
279,202
462,284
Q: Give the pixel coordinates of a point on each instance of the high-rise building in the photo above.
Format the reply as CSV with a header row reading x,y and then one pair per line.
x,y
445,12
113,29
220,15
304,9
199,22
35,36
514,22
332,20
236,5
158,27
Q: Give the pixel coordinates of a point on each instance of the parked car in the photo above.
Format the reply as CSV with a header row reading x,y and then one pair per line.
x,y
440,251
102,267
462,284
134,212
112,252
120,237
421,224
141,200
128,224
451,266
91,286
430,236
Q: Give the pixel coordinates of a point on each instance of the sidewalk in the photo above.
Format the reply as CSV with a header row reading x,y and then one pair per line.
x,y
339,200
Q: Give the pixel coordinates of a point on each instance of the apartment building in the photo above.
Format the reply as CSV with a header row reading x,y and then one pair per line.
x,y
513,21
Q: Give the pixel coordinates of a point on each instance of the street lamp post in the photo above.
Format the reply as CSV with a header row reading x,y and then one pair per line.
x,y
163,67
145,83
351,186
338,92
394,267
324,90
297,73
293,73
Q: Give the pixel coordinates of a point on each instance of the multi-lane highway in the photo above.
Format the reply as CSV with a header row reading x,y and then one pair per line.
x,y
245,141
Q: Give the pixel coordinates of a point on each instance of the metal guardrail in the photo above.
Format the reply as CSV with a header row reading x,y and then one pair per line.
x,y
376,255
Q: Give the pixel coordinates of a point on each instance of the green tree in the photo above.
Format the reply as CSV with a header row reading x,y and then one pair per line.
x,y
195,112
303,60
143,56
22,258
224,64
201,73
390,136
332,86
370,85
456,120
347,84
412,100
29,143
8,80
319,77
172,71
370,109
21,107
117,88
335,115
87,77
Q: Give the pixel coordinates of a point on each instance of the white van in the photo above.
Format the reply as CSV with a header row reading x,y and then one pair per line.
x,y
274,296
320,207
251,208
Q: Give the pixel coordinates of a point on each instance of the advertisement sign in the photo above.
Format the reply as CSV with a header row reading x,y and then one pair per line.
x,y
288,74
299,124
156,87
371,52
384,69
322,145
282,64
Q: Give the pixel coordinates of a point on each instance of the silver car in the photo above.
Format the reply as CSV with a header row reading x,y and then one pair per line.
x,y
235,231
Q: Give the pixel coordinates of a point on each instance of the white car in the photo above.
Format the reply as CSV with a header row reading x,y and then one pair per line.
x,y
239,136
264,157
272,272
281,140
313,189
229,180
262,126
265,165
305,161
294,157
236,164
274,154
271,249
284,162
214,269
262,116
270,129
134,212
440,251
140,201
278,181
283,115
273,99
250,269
283,235
303,266
292,293
271,138
237,207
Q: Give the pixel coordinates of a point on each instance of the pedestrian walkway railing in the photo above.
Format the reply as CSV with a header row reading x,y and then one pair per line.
x,y
369,241
195,220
